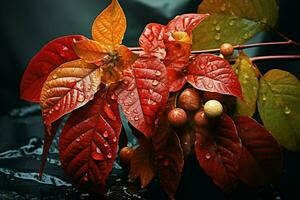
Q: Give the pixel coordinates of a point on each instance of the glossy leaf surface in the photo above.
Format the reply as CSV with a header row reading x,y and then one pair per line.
x,y
261,158
109,27
143,93
51,56
233,21
279,108
248,77
88,143
214,74
141,164
68,87
90,51
218,153
152,40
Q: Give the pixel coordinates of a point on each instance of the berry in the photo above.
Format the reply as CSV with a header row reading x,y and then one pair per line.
x,y
190,99
126,154
200,119
177,117
226,50
213,96
213,109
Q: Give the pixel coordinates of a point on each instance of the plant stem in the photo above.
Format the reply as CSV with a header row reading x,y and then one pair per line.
x,y
237,47
286,38
259,58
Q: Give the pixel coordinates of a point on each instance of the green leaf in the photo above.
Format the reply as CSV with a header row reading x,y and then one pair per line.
x,y
279,107
233,21
248,77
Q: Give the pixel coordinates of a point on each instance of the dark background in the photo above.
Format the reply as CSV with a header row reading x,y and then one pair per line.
x,y
25,26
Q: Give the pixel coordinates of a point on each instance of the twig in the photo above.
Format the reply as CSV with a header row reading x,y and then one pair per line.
x,y
291,57
286,38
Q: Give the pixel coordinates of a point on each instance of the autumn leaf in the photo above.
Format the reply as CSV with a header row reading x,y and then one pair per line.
x,y
141,164
109,27
143,93
169,158
279,108
233,21
51,56
176,79
218,153
261,158
186,22
90,51
89,140
214,74
67,88
248,77
152,40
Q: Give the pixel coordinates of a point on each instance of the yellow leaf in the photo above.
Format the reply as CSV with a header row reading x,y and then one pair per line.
x,y
180,36
90,51
110,26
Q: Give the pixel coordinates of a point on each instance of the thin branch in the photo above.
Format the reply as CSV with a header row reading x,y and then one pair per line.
x,y
280,57
237,47
286,38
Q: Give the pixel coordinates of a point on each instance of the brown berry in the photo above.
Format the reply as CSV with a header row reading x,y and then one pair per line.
x,y
126,154
213,96
200,119
226,50
190,99
213,109
177,117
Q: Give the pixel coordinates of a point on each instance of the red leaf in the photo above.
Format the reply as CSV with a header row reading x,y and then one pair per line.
x,y
178,54
218,153
261,158
143,93
152,40
186,22
214,74
176,79
52,55
88,143
168,153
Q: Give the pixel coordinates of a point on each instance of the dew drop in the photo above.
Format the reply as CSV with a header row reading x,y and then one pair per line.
x,y
85,178
132,94
48,90
217,37
105,145
208,156
54,76
210,86
231,23
136,118
109,155
287,110
114,139
80,98
157,73
125,82
97,156
113,97
264,20
56,108
58,70
50,112
105,134
218,27
131,87
264,98
155,83
78,139
98,150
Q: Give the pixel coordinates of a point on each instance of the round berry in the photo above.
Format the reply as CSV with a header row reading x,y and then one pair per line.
x,y
200,119
190,99
226,50
126,154
213,109
177,117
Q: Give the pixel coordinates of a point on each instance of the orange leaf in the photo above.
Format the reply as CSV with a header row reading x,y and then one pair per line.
x,y
90,51
68,87
110,26
142,164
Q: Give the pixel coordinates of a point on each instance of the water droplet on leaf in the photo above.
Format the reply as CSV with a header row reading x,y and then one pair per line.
x,y
208,156
54,76
287,110
113,97
217,37
105,134
218,27
109,155
155,83
157,73
136,118
80,98
114,139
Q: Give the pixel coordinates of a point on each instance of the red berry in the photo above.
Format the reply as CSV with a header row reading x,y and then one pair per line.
x,y
213,96
200,119
177,117
126,154
226,50
190,99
